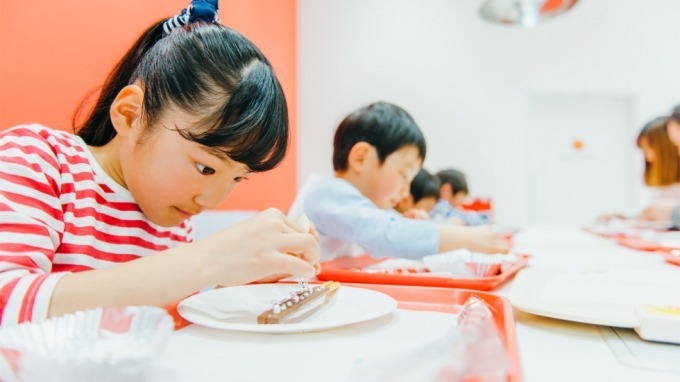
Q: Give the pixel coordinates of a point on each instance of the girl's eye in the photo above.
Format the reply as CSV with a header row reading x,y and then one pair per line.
x,y
205,170
240,179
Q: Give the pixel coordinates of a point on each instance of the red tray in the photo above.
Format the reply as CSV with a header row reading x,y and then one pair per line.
x,y
350,269
451,301
672,258
643,245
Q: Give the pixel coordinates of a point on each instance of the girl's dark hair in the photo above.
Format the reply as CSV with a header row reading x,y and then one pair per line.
x,y
456,179
424,185
665,169
209,71
385,126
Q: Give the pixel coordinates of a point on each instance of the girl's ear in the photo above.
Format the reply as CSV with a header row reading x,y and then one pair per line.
x,y
126,109
359,155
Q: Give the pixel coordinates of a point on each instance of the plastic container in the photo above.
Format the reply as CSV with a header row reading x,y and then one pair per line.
x,y
451,301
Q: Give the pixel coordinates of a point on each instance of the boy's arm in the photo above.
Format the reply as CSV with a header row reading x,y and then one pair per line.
x,y
340,212
476,239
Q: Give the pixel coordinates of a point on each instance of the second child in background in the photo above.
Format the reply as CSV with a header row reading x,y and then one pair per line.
x,y
377,151
424,194
662,171
452,193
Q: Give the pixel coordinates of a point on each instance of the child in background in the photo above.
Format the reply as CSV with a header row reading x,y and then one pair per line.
x,y
452,193
662,168
424,193
377,151
668,210
100,218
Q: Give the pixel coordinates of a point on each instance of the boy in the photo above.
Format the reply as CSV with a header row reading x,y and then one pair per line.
x,y
452,194
377,152
424,194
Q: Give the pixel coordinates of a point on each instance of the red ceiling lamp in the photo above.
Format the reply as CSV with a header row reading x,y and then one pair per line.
x,y
526,13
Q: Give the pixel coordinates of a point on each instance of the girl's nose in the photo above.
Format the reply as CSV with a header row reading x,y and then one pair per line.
x,y
210,198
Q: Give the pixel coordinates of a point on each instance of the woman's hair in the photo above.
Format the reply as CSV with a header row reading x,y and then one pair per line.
x,y
211,72
424,185
665,169
675,114
385,126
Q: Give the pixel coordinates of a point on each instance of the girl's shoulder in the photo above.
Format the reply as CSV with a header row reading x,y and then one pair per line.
x,y
36,131
38,138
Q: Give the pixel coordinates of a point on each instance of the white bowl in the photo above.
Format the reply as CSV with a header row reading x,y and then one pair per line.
x,y
105,344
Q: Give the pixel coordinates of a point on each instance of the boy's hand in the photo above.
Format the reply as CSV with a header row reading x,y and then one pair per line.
x,y
417,214
485,240
606,218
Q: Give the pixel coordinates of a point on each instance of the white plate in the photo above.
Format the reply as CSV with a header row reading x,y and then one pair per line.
x,y
594,294
527,291
242,305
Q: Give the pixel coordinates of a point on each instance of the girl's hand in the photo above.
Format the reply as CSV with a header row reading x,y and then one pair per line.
x,y
660,210
267,247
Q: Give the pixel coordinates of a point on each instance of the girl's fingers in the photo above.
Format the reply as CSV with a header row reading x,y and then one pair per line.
x,y
294,266
302,245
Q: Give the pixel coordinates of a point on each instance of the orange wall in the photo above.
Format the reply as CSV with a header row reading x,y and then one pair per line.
x,y
52,53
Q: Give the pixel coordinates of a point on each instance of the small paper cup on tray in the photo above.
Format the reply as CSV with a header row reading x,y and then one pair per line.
x,y
105,344
463,263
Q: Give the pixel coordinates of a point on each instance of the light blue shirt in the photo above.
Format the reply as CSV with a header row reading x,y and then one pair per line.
x,y
444,211
350,224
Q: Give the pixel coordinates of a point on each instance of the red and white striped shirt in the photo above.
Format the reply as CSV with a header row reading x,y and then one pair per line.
x,y
61,213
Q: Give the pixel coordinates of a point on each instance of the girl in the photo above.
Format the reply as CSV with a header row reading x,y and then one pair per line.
x,y
98,219
662,168
668,209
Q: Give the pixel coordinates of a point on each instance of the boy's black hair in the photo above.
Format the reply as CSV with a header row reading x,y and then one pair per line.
x,y
383,125
424,185
454,178
209,71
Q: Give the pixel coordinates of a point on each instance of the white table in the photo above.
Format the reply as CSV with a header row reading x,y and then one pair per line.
x,y
550,349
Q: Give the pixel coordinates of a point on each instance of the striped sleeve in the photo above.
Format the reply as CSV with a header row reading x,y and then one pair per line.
x,y
31,225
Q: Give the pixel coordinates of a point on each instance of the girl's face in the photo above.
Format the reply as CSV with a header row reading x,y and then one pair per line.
x,y
172,178
673,129
646,148
387,184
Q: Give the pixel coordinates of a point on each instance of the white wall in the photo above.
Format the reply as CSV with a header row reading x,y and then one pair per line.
x,y
469,84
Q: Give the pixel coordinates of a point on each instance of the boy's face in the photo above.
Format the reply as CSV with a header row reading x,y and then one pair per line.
x,y
427,203
405,204
172,178
387,184
458,199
